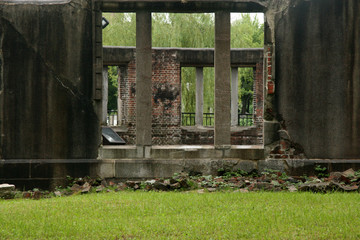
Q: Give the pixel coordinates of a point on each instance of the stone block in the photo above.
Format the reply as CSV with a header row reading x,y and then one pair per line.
x,y
245,154
142,169
271,132
271,164
106,169
245,165
118,152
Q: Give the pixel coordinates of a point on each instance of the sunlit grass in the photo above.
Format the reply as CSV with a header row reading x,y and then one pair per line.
x,y
151,215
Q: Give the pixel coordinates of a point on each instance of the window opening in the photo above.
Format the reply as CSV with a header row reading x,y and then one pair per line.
x,y
245,96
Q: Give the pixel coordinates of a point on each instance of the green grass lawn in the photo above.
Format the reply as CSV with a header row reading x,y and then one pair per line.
x,y
184,215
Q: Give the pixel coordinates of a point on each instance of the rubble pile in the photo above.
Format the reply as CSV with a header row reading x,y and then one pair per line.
x,y
240,181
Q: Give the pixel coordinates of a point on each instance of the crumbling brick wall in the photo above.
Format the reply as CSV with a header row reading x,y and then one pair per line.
x,y
166,102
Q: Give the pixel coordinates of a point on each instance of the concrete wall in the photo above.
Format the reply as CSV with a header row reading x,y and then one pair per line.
x,y
318,76
46,80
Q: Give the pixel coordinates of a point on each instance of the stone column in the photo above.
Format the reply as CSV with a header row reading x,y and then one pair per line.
x,y
222,79
234,96
143,78
199,96
105,95
119,101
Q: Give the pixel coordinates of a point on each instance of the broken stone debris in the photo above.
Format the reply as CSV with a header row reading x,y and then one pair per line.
x,y
347,181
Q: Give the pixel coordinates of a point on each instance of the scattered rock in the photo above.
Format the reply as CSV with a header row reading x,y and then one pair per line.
x,y
175,186
120,187
262,186
201,191
57,194
100,188
316,187
161,186
348,173
75,188
104,183
37,195
344,188
211,189
150,182
292,188
26,195
133,184
85,188
184,183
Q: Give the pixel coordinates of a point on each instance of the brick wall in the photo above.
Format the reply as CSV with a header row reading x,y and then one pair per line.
x,y
166,108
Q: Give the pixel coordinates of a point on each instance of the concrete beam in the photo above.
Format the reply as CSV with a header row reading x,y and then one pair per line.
x,y
143,78
192,6
199,96
188,57
222,79
118,55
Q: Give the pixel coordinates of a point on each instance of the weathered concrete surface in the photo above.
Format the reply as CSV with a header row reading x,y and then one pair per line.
x,y
199,101
46,86
234,96
124,162
202,57
318,76
222,88
143,78
182,6
163,161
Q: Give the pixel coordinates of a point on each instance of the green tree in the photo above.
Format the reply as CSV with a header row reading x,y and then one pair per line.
x,y
112,87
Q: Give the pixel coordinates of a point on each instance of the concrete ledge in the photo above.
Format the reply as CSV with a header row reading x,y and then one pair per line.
x,y
245,152
45,173
164,168
188,57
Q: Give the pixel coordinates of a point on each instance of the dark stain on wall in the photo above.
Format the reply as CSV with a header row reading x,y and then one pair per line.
x,y
165,93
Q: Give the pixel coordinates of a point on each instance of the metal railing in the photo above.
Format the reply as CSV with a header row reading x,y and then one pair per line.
x,y
245,120
208,119
188,119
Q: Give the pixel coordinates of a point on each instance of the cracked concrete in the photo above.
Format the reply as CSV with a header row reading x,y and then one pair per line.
x,y
47,82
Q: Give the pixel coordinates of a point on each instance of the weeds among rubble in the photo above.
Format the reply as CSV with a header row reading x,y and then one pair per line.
x,y
239,181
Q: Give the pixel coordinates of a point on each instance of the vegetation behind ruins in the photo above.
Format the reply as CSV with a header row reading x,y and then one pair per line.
x,y
187,31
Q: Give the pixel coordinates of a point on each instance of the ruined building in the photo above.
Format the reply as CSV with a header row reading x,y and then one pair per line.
x,y
53,91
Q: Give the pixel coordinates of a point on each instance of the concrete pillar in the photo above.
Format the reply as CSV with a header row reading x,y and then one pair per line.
x,y
119,101
143,78
199,96
234,96
105,95
222,79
